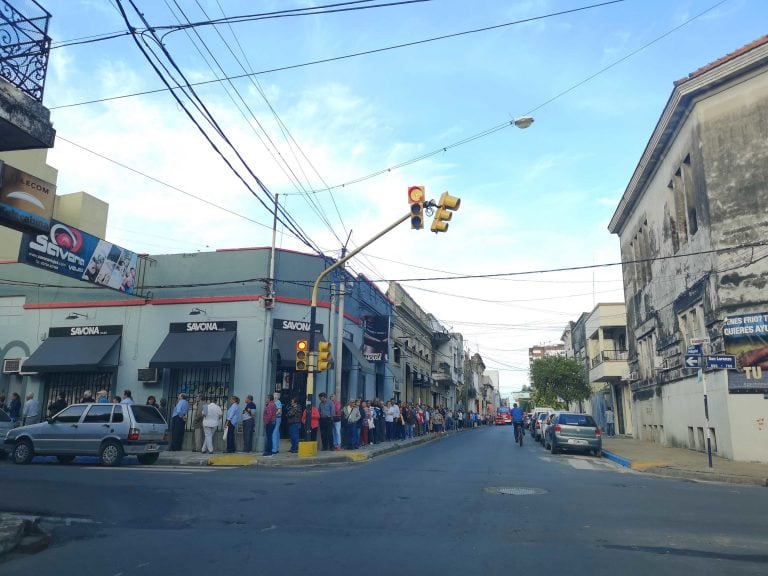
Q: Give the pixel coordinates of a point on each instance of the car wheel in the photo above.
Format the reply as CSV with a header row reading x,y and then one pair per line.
x,y
599,453
23,452
546,444
65,459
148,458
111,454
553,447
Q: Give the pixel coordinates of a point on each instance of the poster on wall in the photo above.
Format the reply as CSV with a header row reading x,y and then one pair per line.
x,y
376,339
71,252
26,202
746,337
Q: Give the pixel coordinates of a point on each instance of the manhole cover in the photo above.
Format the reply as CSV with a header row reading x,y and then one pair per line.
x,y
519,491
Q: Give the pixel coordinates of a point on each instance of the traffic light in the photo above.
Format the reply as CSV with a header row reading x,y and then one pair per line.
x,y
324,360
416,200
446,207
302,346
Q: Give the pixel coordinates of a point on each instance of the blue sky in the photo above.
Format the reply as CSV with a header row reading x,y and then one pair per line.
x,y
534,199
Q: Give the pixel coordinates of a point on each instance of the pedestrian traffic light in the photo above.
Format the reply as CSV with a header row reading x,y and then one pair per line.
x,y
446,207
416,200
324,360
302,346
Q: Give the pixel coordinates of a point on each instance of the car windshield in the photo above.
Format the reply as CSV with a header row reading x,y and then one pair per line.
x,y
576,420
147,414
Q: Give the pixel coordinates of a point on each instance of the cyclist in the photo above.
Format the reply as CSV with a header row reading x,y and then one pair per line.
x,y
517,420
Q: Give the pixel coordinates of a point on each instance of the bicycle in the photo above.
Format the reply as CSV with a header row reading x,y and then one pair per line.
x,y
519,433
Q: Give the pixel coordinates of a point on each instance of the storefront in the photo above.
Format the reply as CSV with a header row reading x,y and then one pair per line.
x,y
73,360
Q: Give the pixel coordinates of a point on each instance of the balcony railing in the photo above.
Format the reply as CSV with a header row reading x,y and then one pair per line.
x,y
24,46
609,356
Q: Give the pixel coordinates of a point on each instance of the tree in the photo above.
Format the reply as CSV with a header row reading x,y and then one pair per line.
x,y
558,381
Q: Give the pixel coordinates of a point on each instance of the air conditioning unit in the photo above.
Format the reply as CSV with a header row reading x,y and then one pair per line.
x,y
634,376
12,365
148,375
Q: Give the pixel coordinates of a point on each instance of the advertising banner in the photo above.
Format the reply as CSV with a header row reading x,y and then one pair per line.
x,y
26,202
746,337
376,339
76,254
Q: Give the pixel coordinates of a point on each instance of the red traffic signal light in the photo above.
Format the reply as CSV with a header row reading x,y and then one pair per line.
x,y
416,195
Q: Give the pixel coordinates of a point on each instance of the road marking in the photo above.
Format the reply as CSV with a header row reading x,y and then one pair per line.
x,y
174,469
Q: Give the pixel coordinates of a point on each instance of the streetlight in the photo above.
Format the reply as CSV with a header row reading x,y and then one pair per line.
x,y
523,122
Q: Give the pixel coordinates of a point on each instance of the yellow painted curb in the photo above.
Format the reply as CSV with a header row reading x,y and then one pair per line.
x,y
357,456
232,460
649,464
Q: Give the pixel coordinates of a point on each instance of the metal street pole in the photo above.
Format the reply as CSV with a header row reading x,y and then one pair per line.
x,y
312,367
703,380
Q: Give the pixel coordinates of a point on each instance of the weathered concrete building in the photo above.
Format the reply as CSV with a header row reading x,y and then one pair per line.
x,y
691,224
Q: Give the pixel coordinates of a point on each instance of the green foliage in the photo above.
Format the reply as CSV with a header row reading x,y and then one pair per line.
x,y
558,381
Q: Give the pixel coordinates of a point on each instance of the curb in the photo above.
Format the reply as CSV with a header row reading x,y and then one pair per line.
x,y
627,463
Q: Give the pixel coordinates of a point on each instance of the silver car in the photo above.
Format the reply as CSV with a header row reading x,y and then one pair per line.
x,y
574,431
5,426
109,431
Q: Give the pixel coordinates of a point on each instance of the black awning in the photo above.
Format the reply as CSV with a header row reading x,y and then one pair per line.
x,y
365,365
75,354
201,349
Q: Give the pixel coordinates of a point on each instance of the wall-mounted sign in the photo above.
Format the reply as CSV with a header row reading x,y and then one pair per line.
x,y
209,326
746,337
65,331
71,252
376,339
26,202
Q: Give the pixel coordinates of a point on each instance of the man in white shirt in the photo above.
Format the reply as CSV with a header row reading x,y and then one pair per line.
x,y
31,412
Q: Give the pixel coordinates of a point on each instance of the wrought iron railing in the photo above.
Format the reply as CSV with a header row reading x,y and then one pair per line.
x,y
24,46
609,356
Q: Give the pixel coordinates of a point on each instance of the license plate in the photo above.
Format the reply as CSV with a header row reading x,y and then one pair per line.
x,y
577,442
151,447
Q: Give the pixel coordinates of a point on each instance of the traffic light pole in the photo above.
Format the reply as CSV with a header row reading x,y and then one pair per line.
x,y
312,367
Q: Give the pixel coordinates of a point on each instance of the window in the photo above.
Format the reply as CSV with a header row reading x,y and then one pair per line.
x,y
99,413
71,413
691,324
690,196
147,414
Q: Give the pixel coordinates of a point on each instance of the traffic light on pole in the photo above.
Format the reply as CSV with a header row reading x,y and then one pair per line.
x,y
324,360
416,200
446,207
302,347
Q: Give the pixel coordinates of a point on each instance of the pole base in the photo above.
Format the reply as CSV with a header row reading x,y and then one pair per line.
x,y
307,449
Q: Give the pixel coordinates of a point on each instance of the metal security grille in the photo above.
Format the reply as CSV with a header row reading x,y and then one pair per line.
x,y
74,386
211,383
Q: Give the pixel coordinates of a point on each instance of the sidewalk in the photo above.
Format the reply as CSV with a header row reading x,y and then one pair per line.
x,y
680,462
285,458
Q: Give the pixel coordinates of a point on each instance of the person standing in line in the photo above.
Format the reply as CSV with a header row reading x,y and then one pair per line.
x,y
197,422
278,421
249,423
211,421
233,417
31,414
389,418
127,397
102,397
178,423
14,409
609,429
397,422
327,411
336,422
58,405
294,424
269,417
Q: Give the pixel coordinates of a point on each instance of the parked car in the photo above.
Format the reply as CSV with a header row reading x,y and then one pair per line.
x,y
540,417
109,431
5,425
573,431
545,424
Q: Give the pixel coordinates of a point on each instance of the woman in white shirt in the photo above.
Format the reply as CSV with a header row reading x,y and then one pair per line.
x,y
211,421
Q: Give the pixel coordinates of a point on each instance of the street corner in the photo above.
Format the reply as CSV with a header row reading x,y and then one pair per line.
x,y
620,460
357,456
233,460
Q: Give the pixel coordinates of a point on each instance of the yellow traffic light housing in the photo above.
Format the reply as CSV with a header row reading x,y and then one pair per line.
x,y
416,195
445,208
302,347
324,361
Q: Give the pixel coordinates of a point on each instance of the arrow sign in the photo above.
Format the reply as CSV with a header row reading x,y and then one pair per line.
x,y
723,361
692,361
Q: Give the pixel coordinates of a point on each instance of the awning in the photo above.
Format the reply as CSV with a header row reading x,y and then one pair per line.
x,y
194,349
365,366
75,354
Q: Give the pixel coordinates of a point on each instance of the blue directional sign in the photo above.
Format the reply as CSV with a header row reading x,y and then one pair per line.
x,y
721,361
693,361
694,350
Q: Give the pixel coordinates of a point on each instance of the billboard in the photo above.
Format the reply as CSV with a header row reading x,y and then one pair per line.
x,y
26,202
376,339
71,252
746,337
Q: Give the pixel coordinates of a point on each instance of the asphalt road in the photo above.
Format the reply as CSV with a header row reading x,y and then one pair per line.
x,y
433,509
